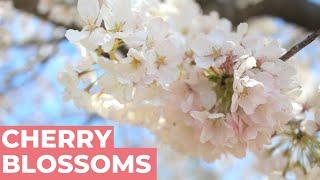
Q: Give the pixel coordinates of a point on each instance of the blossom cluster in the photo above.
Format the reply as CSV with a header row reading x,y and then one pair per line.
x,y
195,82
295,150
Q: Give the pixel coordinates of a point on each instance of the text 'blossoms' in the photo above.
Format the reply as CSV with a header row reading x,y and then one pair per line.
x,y
198,84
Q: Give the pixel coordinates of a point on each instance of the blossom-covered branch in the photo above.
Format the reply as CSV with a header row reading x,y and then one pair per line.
x,y
194,82
307,17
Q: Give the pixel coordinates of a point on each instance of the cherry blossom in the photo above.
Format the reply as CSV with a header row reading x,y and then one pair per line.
x,y
199,86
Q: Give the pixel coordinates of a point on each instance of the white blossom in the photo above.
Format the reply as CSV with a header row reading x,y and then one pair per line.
x,y
188,77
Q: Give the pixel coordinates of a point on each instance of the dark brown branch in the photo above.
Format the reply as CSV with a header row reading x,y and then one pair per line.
x,y
30,7
300,12
295,49
36,42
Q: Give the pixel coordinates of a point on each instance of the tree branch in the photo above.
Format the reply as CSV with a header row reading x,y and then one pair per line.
x,y
38,60
300,12
295,49
36,42
30,7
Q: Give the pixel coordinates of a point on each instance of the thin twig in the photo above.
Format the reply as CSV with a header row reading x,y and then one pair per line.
x,y
38,60
37,42
294,50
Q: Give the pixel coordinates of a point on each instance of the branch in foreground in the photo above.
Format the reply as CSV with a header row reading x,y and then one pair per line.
x,y
295,49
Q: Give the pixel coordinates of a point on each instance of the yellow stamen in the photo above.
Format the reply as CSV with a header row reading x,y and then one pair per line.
x,y
117,27
160,61
136,63
216,53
